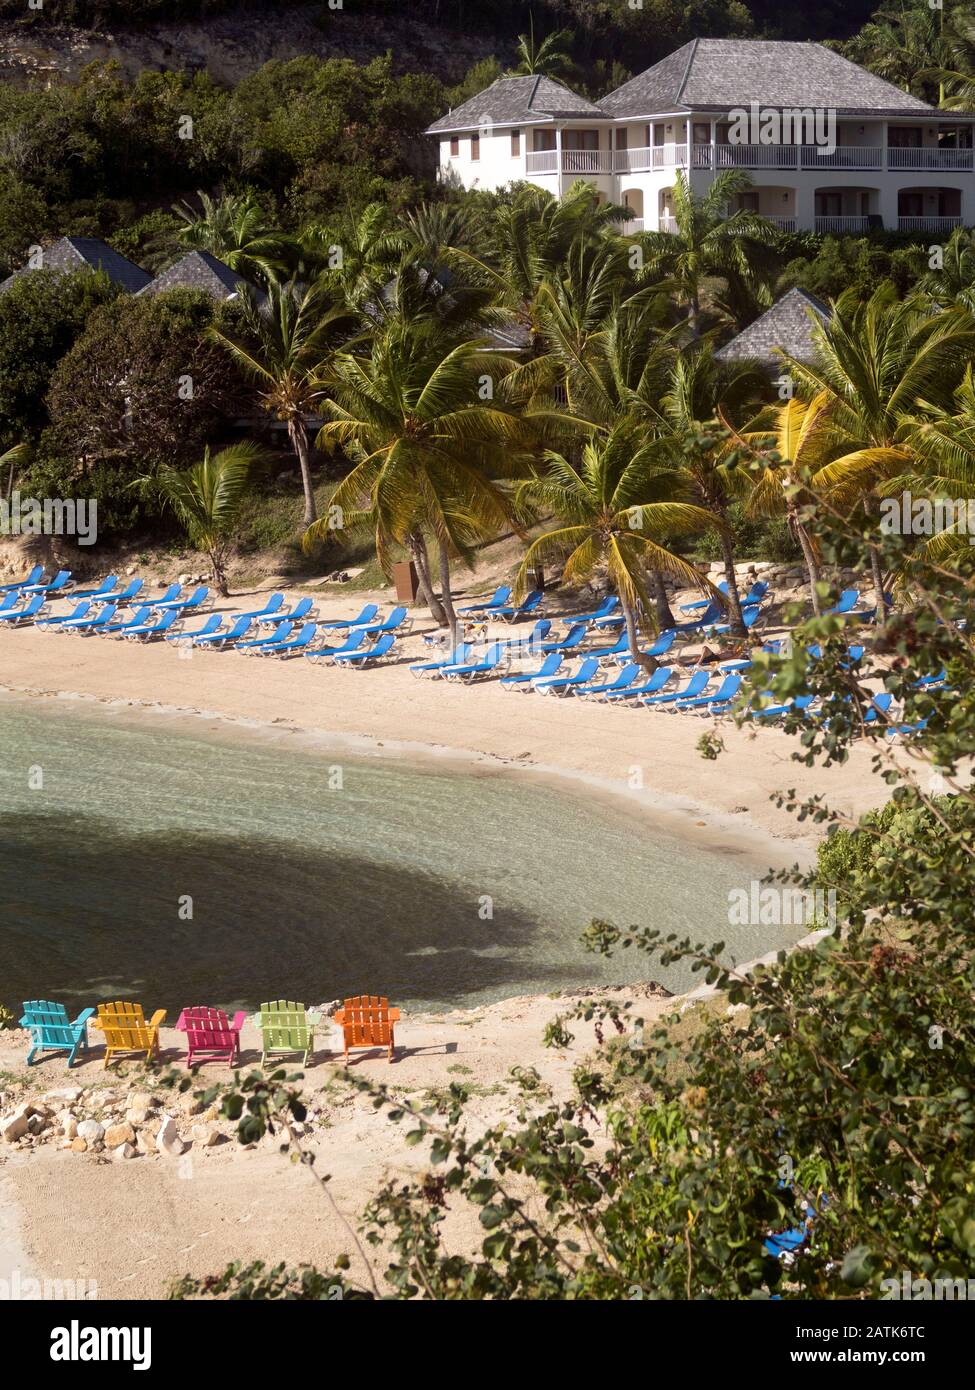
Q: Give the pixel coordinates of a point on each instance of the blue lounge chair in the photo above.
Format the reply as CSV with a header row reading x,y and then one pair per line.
x,y
525,609
522,681
575,635
607,608
626,676
35,577
397,622
149,631
9,600
749,617
345,624
14,617
273,606
559,685
354,642
714,613
302,609
704,602
52,1031
47,624
105,587
879,708
217,640
497,600
755,594
294,646
848,600
712,704
491,660
796,706
653,686
173,591
358,660
457,657
930,682
534,640
906,730
660,646
280,634
60,581
622,644
694,687
184,605
86,626
120,625
121,596
212,625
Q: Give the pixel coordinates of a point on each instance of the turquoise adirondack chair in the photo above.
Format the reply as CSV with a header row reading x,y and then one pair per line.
x,y
52,1031
286,1028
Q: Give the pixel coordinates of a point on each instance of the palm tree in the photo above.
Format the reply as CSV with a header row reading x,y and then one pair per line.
x,y
550,58
292,331
609,516
881,362
788,441
235,229
708,243
370,247
427,451
10,458
901,44
954,282
206,500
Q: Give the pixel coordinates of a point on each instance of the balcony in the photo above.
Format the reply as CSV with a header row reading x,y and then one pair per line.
x,y
843,157
841,224
929,159
927,224
573,162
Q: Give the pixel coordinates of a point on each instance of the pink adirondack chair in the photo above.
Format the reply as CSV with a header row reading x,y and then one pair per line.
x,y
210,1036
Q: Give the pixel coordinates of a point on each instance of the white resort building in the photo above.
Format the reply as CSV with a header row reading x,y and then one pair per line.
x,y
828,146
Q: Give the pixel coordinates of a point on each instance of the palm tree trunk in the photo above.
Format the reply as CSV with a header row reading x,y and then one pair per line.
x,y
694,315
417,546
734,598
809,557
446,597
665,616
219,574
877,573
648,663
299,440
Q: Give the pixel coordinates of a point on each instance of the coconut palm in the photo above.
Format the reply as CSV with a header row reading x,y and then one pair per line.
x,y
206,500
789,442
235,229
291,332
880,364
9,459
707,243
359,258
428,452
610,516
954,281
548,58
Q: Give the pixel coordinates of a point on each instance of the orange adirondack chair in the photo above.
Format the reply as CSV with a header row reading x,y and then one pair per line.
x,y
126,1029
367,1021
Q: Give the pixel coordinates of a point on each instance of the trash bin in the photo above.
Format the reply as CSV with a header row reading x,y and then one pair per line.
x,y
407,584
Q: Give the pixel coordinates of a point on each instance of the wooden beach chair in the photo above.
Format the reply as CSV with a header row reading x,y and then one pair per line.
x,y
367,1021
126,1030
286,1029
52,1031
210,1036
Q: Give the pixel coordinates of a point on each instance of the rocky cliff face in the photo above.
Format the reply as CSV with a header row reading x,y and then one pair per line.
x,y
231,46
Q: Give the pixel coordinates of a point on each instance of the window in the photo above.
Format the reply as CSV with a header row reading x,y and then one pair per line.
x,y
475,147
454,146
515,144
580,139
748,202
702,133
543,140
621,138
903,137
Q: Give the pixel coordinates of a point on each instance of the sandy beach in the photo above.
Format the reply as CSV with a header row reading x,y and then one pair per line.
x,y
134,1226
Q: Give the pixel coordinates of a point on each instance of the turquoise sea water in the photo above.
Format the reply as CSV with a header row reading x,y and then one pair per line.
x,y
434,886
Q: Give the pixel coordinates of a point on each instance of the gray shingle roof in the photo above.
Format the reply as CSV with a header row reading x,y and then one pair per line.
x,y
73,253
514,101
787,325
717,74
198,270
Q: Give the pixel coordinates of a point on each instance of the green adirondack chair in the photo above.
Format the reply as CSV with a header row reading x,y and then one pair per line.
x,y
286,1028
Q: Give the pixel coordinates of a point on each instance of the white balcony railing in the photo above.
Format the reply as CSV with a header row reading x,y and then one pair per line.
x,y
630,161
756,156
842,157
632,225
841,224
542,162
573,162
929,159
667,224
784,224
927,224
